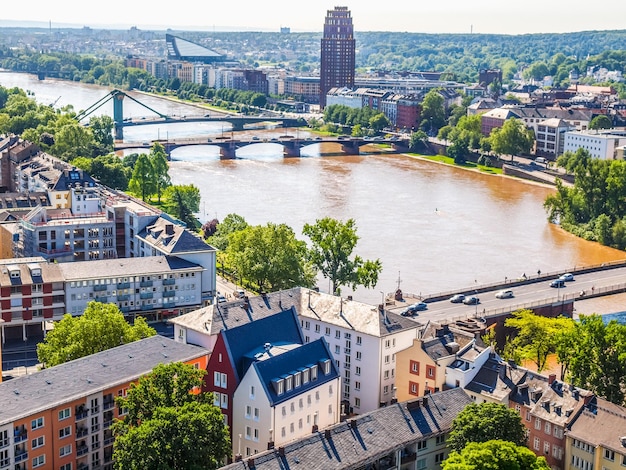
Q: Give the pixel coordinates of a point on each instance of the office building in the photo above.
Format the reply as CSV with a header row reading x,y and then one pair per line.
x,y
337,52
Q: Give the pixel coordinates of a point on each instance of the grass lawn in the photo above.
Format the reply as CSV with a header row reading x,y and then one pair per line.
x,y
469,165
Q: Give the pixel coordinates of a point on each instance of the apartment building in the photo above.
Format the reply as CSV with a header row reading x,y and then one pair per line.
x,y
31,292
409,435
155,287
60,417
602,144
550,137
597,438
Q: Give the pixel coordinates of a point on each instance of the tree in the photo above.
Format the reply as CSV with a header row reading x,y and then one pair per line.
x,y
595,357
158,159
169,425
182,201
418,141
433,113
109,170
536,336
102,130
513,138
100,327
143,180
378,122
482,422
601,122
232,223
494,455
333,242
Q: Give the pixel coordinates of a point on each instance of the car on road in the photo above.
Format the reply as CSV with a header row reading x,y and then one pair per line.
x,y
558,283
472,300
567,277
413,309
220,299
256,138
504,294
457,299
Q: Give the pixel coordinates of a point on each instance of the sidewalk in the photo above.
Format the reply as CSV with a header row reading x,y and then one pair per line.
x,y
228,289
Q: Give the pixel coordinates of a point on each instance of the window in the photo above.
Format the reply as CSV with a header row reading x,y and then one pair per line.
x,y
609,455
64,432
414,389
37,442
536,443
422,445
67,466
327,331
337,349
430,372
358,355
64,414
39,461
313,373
537,423
528,415
358,340
547,428
387,359
439,457
357,385
248,411
357,370
546,448
440,439
338,334
252,391
415,367
224,403
36,424
65,450
317,328
248,432
357,402
256,414
557,452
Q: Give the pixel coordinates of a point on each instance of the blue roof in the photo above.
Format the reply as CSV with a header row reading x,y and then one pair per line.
x,y
295,360
281,328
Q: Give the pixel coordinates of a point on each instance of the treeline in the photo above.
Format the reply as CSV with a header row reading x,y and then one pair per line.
x,y
356,118
595,207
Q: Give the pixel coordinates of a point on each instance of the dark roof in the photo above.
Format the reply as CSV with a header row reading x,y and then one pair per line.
x,y
281,328
365,438
181,49
312,353
30,394
170,238
72,178
23,200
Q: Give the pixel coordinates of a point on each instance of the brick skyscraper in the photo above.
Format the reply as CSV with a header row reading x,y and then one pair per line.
x,y
337,58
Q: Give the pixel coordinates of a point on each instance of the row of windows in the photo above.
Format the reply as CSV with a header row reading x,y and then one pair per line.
x,y
557,451
116,280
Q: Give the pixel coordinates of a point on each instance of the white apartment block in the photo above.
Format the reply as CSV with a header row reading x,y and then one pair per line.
x,y
603,145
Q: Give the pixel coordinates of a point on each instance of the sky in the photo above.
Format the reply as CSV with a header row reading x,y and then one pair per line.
x,y
431,16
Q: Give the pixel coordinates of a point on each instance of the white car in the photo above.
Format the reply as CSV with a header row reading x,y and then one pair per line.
x,y
504,294
567,277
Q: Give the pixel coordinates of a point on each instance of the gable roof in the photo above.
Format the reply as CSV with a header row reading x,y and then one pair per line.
x,y
171,238
365,438
601,423
293,360
281,328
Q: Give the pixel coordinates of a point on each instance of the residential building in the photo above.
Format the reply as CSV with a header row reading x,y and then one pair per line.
x,y
13,151
422,364
31,292
306,89
406,435
494,381
287,392
155,287
337,62
597,438
550,137
60,417
603,145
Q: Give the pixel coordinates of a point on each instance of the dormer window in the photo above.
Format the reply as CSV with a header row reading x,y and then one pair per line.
x,y
325,366
305,376
279,386
297,379
313,373
15,274
289,383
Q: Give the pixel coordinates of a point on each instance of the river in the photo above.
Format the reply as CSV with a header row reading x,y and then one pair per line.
x,y
434,227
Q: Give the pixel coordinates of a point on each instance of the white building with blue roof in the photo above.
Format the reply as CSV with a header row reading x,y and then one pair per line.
x,y
289,391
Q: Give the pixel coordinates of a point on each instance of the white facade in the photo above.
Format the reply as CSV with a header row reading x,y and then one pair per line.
x,y
259,422
362,354
602,145
465,367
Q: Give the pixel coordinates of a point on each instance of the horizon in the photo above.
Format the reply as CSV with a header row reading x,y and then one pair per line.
x,y
455,17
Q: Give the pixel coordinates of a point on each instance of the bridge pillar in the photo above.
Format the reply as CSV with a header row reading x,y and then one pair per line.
x,y
237,124
350,148
228,151
291,149
118,115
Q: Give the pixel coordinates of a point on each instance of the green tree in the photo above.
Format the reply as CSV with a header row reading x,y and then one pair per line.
x,y
433,115
378,122
601,122
72,140
160,167
182,201
100,327
482,422
536,336
232,223
333,242
513,138
109,170
102,130
271,257
418,141
142,181
494,455
595,356
164,412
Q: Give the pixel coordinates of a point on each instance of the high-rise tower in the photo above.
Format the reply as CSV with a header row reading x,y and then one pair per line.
x,y
337,52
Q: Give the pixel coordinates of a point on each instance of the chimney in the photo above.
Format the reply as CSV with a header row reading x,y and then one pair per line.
x,y
353,423
413,405
425,401
327,433
169,229
281,451
551,378
251,462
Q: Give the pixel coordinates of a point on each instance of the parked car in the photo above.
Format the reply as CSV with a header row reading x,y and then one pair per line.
x,y
457,299
567,277
472,300
558,283
504,294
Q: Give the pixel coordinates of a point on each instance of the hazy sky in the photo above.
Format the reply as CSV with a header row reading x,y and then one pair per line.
x,y
431,16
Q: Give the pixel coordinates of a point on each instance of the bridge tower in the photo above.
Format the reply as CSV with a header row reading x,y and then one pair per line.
x,y
118,115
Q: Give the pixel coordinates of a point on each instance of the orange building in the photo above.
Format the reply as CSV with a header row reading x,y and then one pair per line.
x,y
60,418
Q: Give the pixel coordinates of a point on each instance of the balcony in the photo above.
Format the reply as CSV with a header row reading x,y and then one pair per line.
x,y
99,287
107,405
82,432
21,456
146,295
169,293
169,282
82,450
146,284
101,298
123,297
169,304
82,466
147,307
123,285
19,436
81,413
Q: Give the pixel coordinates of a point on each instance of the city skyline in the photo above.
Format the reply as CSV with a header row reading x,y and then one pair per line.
x,y
456,16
